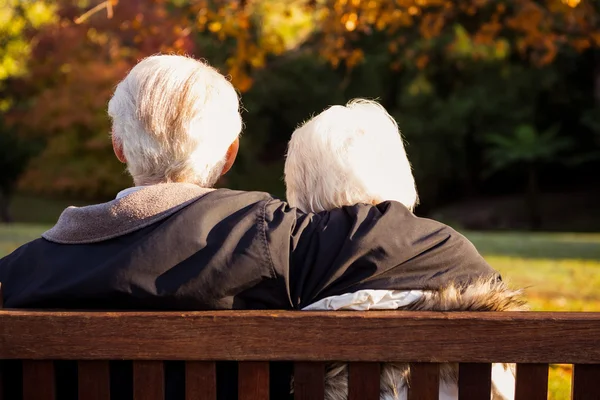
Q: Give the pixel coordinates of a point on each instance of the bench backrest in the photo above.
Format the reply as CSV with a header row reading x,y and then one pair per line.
x,y
309,339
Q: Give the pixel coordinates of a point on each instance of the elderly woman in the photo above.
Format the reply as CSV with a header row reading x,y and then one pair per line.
x,y
355,154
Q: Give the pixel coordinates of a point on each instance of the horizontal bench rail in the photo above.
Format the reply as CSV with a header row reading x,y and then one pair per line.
x,y
381,336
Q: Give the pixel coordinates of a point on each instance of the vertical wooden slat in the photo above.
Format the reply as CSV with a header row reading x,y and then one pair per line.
x,y
1,362
363,380
148,380
586,382
474,381
1,379
94,380
200,380
38,380
424,381
532,382
309,381
253,380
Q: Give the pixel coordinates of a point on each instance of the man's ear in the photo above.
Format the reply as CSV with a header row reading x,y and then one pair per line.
x,y
230,156
118,149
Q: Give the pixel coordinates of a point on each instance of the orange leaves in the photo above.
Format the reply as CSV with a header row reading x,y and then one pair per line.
x,y
572,3
543,28
335,29
72,74
350,21
432,24
422,61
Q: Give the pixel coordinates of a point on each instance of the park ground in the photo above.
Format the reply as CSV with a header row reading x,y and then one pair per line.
x,y
559,271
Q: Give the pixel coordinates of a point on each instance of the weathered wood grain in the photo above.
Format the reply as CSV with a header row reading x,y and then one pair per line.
x,y
94,380
253,380
363,380
38,380
424,381
586,382
309,380
532,382
311,336
474,381
148,380
200,380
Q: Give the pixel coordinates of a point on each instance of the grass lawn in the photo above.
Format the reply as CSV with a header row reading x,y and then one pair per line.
x,y
560,271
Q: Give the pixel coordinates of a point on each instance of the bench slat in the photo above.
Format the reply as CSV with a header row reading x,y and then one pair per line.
x,y
38,380
363,381
400,336
532,382
309,380
253,380
200,380
94,380
1,363
474,381
148,380
1,372
586,381
424,381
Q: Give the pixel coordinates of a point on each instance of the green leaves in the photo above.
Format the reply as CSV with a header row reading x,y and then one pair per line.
x,y
16,17
525,145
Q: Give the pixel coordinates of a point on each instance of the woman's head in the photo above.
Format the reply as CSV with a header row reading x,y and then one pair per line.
x,y
347,155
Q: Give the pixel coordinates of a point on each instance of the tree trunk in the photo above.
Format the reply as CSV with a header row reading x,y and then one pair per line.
x,y
597,77
533,198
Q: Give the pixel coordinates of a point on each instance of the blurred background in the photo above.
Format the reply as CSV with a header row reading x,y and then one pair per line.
x,y
498,100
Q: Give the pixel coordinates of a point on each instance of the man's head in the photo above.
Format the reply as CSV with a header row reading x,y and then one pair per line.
x,y
175,119
347,155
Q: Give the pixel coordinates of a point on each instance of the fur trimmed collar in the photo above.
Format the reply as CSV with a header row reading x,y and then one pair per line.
x,y
482,295
124,215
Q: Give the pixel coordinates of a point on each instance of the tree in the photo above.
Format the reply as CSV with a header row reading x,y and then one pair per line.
x,y
535,30
64,95
448,71
528,148
17,19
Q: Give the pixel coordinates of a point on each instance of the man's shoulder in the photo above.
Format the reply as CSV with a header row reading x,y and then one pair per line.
x,y
242,195
227,200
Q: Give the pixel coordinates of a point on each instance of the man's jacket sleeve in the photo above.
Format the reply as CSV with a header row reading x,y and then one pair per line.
x,y
365,247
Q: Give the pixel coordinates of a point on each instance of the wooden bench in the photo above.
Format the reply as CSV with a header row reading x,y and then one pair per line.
x,y
309,339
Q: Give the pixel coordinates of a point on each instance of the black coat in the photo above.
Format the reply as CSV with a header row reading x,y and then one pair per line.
x,y
231,250
241,250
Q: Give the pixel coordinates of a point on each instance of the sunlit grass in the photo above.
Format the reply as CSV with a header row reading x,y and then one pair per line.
x,y
14,235
559,272
557,285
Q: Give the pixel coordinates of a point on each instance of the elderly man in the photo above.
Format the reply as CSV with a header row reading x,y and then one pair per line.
x,y
174,242
354,154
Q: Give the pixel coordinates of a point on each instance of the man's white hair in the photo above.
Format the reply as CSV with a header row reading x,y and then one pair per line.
x,y
347,155
175,118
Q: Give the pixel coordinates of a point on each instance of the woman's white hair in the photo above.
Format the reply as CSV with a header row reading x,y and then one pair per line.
x,y
175,118
347,155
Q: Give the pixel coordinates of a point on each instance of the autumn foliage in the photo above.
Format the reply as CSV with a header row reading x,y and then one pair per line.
x,y
450,71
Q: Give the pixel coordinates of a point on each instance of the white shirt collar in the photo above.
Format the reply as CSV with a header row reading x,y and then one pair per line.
x,y
127,191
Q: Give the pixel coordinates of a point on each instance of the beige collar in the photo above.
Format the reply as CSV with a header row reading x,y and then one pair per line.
x,y
123,215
